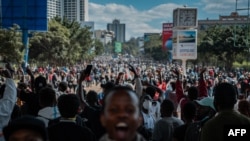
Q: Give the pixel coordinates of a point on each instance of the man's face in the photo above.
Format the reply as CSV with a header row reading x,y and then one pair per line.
x,y
121,116
25,135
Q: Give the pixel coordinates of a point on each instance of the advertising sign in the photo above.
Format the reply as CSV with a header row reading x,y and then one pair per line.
x,y
167,36
28,14
185,44
118,47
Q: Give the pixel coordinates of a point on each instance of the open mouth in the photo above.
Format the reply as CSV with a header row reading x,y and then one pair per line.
x,y
121,130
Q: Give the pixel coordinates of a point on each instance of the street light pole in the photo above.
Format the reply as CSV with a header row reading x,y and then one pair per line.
x,y
248,23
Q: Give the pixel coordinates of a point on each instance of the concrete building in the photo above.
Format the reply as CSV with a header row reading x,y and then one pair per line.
x,y
118,29
233,19
104,36
71,9
54,8
75,10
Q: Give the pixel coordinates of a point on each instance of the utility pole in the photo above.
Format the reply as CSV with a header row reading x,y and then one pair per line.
x,y
248,23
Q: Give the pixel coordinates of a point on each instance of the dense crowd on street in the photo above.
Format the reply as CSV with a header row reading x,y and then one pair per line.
x,y
140,100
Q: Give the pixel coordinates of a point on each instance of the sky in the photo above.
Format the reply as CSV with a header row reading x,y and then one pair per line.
x,y
147,16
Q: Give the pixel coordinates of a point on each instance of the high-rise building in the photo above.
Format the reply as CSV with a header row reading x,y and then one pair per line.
x,y
118,29
54,8
75,10
71,9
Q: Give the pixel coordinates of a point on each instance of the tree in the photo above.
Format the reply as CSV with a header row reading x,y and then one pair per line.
x,y
219,41
99,48
11,45
131,47
50,47
153,48
64,43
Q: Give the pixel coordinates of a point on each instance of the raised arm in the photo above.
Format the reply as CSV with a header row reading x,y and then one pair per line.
x,y
9,98
32,78
178,86
79,90
138,84
202,85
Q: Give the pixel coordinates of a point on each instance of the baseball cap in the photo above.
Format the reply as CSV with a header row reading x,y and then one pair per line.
x,y
206,101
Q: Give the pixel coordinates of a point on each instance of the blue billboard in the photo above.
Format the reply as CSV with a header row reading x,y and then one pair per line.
x,y
28,14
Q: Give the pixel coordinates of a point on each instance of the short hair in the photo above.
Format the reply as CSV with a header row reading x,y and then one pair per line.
x,y
189,110
47,97
193,93
25,122
119,88
40,82
243,106
91,96
151,91
225,96
63,86
167,107
68,105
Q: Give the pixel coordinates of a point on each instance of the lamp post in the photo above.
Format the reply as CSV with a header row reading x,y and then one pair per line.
x,y
248,23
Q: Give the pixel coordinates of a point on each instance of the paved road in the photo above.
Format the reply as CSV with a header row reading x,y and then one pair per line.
x,y
94,87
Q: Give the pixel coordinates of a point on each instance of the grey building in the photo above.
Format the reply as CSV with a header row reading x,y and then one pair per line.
x,y
233,19
54,8
118,29
71,9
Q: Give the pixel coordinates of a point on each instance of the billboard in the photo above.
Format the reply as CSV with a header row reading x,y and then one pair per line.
x,y
28,14
184,44
167,36
118,47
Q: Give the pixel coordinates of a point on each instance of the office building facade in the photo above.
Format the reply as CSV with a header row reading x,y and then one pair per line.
x,y
118,29
54,8
73,10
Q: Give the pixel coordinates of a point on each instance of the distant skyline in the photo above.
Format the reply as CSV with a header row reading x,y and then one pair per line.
x,y
147,16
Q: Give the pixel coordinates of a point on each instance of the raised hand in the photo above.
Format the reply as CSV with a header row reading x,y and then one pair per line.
x,y
82,76
29,71
176,72
6,73
132,69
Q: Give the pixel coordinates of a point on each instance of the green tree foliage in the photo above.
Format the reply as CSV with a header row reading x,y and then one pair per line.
x,y
50,47
131,47
11,46
218,44
64,43
153,48
99,48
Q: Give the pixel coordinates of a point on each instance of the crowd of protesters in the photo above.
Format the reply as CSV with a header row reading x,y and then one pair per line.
x,y
140,100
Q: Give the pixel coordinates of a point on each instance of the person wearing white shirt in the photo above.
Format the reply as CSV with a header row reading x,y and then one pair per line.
x,y
8,100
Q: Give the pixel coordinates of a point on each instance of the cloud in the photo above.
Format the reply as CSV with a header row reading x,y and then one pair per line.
x,y
137,22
